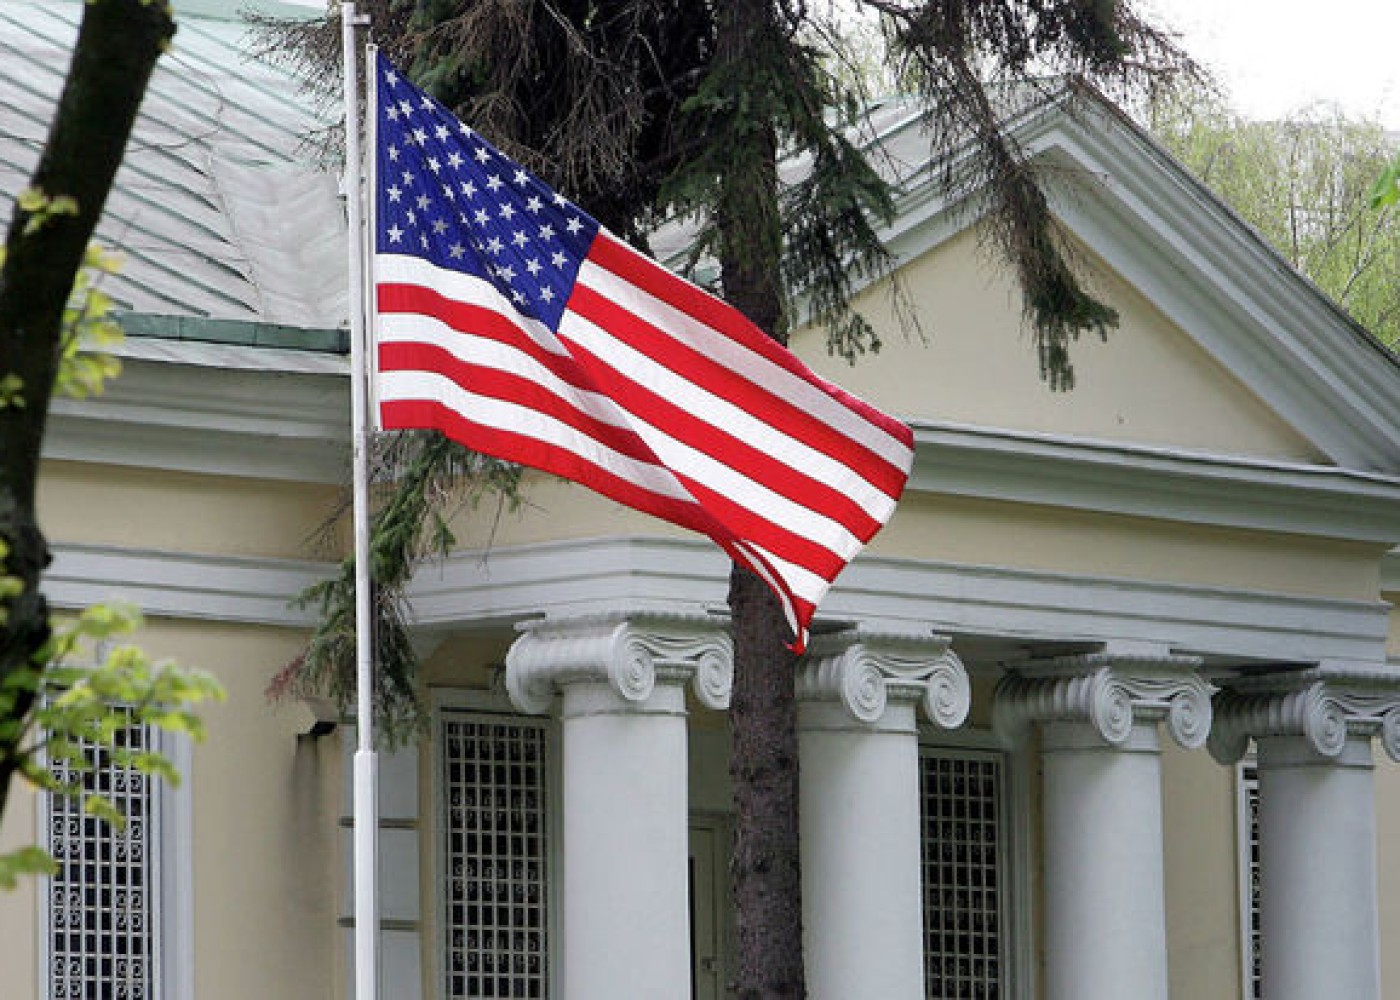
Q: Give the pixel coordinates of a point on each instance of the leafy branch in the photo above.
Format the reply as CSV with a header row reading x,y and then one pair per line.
x,y
81,714
421,480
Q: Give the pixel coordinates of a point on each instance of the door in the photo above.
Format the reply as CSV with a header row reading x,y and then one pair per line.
x,y
709,907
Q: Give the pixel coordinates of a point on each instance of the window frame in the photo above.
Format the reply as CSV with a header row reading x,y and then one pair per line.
x,y
494,705
1247,865
170,841
1015,849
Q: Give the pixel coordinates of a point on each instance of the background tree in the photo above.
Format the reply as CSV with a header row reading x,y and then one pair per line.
x,y
1306,183
53,221
642,108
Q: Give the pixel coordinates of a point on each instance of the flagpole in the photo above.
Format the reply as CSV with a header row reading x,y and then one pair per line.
x,y
371,226
366,768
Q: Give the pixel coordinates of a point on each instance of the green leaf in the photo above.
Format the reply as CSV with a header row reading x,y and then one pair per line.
x,y
102,808
31,860
1387,187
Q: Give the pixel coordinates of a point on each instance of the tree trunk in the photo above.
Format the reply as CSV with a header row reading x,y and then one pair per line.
x,y
766,873
116,51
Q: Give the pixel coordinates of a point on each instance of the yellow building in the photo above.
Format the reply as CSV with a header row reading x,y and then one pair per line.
x,y
1191,548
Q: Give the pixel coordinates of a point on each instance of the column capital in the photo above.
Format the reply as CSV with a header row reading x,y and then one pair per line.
x,y
864,671
1325,714
1110,692
628,653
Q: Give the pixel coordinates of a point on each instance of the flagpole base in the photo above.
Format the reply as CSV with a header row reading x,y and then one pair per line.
x,y
366,875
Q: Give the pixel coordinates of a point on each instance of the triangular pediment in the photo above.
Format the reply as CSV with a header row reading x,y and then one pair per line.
x,y
1223,348
1148,383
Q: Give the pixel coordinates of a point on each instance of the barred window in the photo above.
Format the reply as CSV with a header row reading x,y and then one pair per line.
x,y
495,836
103,901
962,799
1248,834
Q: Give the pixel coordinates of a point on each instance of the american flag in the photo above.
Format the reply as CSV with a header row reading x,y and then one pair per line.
x,y
508,319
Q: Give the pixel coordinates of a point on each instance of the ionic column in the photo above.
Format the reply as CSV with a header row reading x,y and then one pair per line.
x,y
859,757
1105,907
626,921
1317,828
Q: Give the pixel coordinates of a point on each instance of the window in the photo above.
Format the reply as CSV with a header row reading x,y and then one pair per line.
x,y
975,808
108,906
961,794
1247,832
496,906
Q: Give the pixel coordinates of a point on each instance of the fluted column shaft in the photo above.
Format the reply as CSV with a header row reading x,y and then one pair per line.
x,y
626,920
1319,917
1105,910
859,814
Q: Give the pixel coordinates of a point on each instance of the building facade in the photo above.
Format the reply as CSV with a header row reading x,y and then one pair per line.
x,y
1105,711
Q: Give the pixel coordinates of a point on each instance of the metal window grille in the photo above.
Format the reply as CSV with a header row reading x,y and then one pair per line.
x,y
963,878
1249,863
495,784
103,900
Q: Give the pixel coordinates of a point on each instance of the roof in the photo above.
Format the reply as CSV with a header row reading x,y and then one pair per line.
x,y
235,236
218,208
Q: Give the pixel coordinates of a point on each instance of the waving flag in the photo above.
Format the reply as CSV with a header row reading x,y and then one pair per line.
x,y
512,322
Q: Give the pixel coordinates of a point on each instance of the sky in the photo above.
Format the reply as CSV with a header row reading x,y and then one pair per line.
x,y
1276,56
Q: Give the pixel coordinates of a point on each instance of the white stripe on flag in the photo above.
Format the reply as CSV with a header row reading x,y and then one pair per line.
x,y
720,413
527,422
673,453
733,355
488,352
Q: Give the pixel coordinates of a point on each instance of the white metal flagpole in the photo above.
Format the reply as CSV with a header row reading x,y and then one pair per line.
x,y
366,804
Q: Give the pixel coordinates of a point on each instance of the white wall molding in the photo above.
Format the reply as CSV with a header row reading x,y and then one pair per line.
x,y
1164,483
1218,279
883,594
1210,273
184,415
670,576
202,586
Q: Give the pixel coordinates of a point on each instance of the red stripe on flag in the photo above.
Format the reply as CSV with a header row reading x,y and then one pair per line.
x,y
754,528
511,388
721,380
526,450
478,321
646,274
745,459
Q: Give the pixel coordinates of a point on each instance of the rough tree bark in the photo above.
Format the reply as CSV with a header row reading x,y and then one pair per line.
x,y
765,871
117,48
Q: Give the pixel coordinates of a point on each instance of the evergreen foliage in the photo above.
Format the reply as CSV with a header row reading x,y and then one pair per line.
x,y
972,63
420,481
641,109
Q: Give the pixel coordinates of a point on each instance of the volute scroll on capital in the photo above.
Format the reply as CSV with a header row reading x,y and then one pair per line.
x,y
1110,693
864,672
628,654
1325,715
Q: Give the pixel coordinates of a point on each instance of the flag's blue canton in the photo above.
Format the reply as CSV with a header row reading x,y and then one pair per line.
x,y
447,195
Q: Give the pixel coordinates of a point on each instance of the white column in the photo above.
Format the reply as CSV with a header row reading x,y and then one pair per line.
x,y
626,922
1105,911
1317,830
862,904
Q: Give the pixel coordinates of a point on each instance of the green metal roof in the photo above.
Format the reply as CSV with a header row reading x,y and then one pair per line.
x,y
219,208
